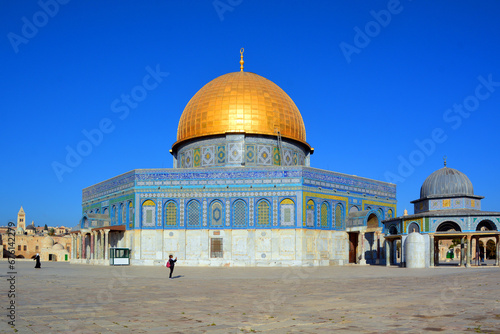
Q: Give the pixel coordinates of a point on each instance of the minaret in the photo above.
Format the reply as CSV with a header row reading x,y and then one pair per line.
x,y
21,219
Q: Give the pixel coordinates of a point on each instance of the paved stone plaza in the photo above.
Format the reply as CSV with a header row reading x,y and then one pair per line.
x,y
64,298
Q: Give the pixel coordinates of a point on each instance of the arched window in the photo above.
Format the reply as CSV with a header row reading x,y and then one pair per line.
x,y
121,214
368,208
105,211
413,227
353,209
114,214
381,213
97,211
216,214
263,213
170,213
339,210
130,213
324,214
148,213
310,213
389,214
287,212
193,214
239,213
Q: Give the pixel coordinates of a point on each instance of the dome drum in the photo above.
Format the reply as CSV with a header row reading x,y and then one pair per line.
x,y
236,150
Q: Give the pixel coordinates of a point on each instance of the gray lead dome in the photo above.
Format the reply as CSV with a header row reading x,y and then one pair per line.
x,y
444,182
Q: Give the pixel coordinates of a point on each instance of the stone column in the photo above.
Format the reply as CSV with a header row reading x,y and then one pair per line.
x,y
462,252
83,246
362,260
92,245
431,247
469,251
73,246
101,252
106,244
497,257
377,250
388,249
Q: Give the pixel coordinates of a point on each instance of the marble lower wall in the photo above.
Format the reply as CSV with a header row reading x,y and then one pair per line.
x,y
270,247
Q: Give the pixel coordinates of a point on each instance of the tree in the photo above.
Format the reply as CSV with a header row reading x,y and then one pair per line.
x,y
52,231
45,228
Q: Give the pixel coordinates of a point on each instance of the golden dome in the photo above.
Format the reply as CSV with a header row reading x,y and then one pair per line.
x,y
241,102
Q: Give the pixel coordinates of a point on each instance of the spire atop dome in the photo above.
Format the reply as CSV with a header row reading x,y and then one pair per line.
x,y
444,158
241,59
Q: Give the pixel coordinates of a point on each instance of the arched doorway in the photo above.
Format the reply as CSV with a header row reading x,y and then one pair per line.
x,y
372,221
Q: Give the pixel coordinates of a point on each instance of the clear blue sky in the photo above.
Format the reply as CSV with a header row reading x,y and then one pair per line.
x,y
369,77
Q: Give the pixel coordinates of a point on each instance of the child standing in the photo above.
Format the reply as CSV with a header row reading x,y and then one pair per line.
x,y
171,264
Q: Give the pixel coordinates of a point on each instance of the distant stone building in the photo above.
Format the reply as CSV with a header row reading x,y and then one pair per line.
x,y
30,240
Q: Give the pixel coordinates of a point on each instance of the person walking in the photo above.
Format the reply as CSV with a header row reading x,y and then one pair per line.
x,y
38,265
171,264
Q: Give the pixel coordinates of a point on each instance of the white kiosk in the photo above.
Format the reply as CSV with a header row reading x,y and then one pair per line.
x,y
119,256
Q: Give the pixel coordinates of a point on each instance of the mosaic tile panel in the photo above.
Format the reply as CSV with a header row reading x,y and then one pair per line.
x,y
264,155
208,156
221,154
250,154
196,157
276,156
235,152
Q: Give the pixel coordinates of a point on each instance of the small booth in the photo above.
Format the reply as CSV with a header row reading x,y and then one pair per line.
x,y
119,256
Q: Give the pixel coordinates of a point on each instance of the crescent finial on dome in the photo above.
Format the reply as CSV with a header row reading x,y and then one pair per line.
x,y
241,59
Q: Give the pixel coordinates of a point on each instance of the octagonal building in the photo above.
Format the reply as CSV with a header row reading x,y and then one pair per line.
x,y
241,192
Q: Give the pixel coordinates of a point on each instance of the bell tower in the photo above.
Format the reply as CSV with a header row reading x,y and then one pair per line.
x,y
21,219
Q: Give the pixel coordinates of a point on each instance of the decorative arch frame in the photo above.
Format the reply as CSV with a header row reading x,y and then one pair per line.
x,y
193,214
409,228
148,214
390,214
324,221
263,209
310,213
121,212
450,223
216,216
239,213
287,210
372,212
339,216
486,221
170,214
434,224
